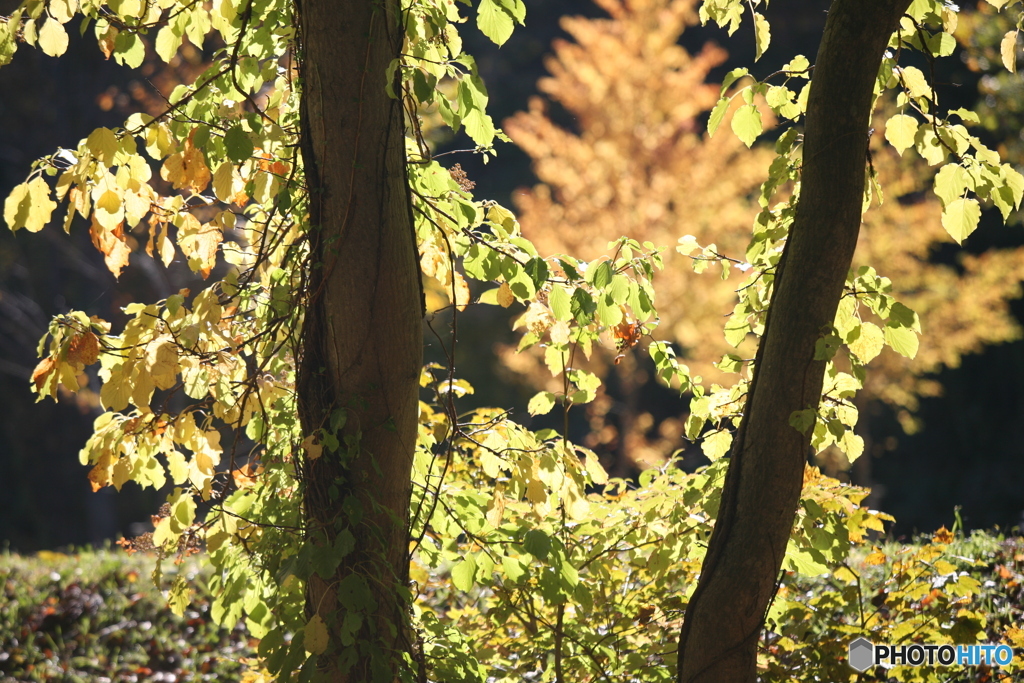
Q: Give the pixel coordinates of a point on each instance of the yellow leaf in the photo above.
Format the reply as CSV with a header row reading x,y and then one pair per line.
x,y
199,243
162,361
312,448
29,206
225,186
496,508
178,467
505,296
103,145
53,39
875,558
461,291
137,205
112,244
63,10
116,391
315,636
173,171
596,472
1008,50
915,82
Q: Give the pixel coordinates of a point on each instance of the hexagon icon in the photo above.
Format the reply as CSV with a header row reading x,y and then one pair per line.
x,y
862,654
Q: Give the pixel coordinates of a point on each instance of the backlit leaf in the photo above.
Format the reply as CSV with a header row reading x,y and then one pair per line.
x,y
541,403
463,573
716,444
869,344
1008,50
960,218
746,123
717,114
950,183
900,131
494,21
762,35
53,39
902,340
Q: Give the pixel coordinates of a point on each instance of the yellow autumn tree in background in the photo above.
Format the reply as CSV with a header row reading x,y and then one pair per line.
x,y
640,163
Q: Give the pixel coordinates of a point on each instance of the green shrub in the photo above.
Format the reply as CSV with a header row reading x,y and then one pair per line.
x,y
97,614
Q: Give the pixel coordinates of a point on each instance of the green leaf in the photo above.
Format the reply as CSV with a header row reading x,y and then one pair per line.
x,y
746,123
129,49
903,315
762,35
902,340
797,66
732,77
541,403
802,420
558,300
717,114
463,573
494,21
825,348
479,127
583,306
537,269
537,543
951,182
716,444
900,131
8,44
237,143
602,275
960,218
514,569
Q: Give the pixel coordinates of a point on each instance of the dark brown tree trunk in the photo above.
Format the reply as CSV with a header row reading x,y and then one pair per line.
x,y
718,642
362,344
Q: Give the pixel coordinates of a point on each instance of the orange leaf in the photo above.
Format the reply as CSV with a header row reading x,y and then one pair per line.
x,y
112,244
84,348
42,371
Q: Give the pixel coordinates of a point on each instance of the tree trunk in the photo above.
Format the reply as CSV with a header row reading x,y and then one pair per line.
x,y
718,641
361,343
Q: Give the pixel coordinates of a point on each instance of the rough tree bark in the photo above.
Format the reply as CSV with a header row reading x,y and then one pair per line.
x,y
362,343
718,641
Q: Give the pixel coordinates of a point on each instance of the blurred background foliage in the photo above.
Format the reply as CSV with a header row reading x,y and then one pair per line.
x,y
607,105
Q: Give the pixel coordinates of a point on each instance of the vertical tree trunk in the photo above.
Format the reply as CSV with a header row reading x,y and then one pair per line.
x,y
362,344
718,642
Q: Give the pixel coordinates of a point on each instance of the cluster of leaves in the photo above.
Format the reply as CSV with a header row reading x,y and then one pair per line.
x,y
520,572
948,589
95,614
